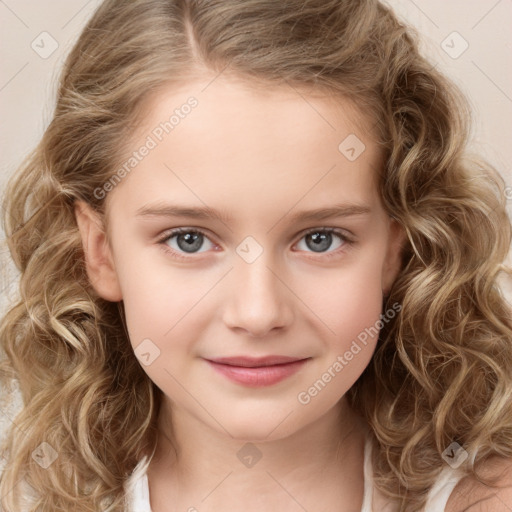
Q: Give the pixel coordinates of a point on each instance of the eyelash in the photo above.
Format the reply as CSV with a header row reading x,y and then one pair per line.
x,y
327,255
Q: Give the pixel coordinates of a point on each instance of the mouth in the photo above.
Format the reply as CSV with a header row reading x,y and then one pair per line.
x,y
257,372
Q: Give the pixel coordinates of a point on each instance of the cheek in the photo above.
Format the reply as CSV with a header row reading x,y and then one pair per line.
x,y
347,301
158,304
161,317
351,306
154,295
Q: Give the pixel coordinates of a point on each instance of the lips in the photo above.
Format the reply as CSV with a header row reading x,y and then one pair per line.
x,y
256,362
257,372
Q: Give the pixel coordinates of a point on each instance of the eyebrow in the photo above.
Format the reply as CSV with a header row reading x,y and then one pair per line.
x,y
206,213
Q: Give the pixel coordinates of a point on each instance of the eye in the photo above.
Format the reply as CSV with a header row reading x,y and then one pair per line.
x,y
184,240
181,242
319,240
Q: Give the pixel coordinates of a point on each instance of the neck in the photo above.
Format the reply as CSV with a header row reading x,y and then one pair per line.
x,y
319,467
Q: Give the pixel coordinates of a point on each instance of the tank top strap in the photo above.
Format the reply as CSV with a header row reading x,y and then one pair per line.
x,y
368,475
137,488
443,487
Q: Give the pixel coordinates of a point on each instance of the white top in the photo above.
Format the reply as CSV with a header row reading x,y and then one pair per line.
x,y
137,489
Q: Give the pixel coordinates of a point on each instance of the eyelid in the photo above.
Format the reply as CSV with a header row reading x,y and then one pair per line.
x,y
170,233
183,229
329,229
186,229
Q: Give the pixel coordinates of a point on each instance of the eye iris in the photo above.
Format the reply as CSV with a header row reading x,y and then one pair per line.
x,y
321,241
191,241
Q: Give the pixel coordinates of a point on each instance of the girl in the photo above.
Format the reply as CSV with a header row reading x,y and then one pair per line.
x,y
258,272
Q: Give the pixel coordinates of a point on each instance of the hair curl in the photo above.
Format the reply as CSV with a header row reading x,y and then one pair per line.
x,y
442,368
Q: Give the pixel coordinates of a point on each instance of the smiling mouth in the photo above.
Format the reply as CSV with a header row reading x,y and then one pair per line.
x,y
254,372
254,362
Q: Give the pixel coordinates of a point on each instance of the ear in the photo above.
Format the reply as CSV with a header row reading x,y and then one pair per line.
x,y
393,261
98,257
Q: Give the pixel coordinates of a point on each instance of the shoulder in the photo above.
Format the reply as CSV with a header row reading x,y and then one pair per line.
x,y
470,495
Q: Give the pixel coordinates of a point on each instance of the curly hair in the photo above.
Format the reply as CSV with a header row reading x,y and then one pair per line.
x,y
442,369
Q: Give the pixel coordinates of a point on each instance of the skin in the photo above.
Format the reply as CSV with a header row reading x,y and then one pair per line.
x,y
260,158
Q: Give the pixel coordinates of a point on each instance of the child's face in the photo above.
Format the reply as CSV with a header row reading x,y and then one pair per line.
x,y
253,285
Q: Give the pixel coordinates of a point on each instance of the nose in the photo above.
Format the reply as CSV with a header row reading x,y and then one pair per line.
x,y
258,301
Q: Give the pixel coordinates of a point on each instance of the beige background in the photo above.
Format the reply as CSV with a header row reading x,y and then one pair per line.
x,y
36,35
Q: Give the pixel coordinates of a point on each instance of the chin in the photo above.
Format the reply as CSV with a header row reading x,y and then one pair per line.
x,y
260,424
263,433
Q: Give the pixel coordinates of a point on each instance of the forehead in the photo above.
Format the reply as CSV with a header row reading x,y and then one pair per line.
x,y
244,144
236,97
